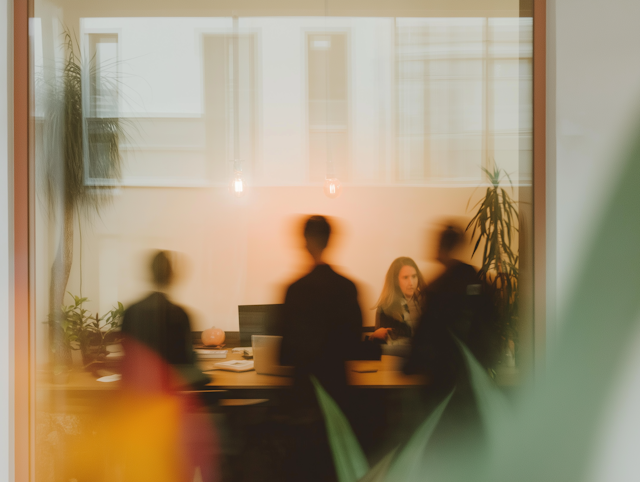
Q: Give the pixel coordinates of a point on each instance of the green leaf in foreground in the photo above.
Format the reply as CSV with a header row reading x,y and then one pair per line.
x,y
349,459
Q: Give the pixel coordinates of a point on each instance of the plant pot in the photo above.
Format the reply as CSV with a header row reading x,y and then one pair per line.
x,y
76,359
92,355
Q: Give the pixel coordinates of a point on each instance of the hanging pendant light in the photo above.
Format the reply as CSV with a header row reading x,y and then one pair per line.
x,y
332,186
237,186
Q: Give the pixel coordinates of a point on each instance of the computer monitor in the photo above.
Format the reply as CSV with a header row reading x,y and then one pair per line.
x,y
258,320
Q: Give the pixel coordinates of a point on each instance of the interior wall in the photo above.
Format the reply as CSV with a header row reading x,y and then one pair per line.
x,y
594,104
597,105
247,250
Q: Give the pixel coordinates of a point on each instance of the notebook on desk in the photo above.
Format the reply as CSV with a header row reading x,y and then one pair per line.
x,y
266,356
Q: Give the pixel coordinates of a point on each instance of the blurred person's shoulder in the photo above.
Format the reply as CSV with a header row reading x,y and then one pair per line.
x,y
152,302
457,275
465,270
322,274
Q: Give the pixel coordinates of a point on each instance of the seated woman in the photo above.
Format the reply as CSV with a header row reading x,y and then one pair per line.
x,y
399,306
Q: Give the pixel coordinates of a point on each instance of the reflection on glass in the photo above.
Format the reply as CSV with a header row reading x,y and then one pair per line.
x,y
401,113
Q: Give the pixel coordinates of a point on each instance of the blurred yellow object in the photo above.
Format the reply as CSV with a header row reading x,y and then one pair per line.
x,y
138,440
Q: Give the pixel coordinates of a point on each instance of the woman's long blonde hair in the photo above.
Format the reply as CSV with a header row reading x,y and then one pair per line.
x,y
391,295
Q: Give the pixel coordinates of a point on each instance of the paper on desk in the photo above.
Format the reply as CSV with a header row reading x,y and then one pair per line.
x,y
245,350
110,378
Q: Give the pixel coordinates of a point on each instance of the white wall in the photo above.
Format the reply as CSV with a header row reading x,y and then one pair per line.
x,y
245,251
6,234
594,101
597,102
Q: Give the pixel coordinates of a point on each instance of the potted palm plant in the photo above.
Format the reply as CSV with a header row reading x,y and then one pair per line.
x,y
73,144
494,229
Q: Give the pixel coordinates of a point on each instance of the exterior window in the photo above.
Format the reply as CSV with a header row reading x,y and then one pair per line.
x,y
103,74
230,129
328,95
463,97
100,98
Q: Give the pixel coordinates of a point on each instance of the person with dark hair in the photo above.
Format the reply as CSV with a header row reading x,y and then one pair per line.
x,y
161,269
456,306
321,319
159,361
158,323
321,327
399,306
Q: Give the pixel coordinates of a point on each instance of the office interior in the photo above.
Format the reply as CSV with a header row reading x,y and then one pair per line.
x,y
238,120
403,105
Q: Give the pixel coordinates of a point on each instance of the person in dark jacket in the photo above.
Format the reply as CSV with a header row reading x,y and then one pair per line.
x,y
159,361
400,303
456,306
158,325
321,320
321,327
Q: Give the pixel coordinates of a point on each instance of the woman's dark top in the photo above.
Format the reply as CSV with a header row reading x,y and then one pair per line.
x,y
400,328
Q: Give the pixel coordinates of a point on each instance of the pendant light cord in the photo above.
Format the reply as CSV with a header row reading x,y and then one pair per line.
x,y
236,94
329,173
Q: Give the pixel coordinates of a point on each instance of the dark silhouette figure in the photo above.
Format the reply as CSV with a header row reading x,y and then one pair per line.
x,y
159,361
321,320
158,323
456,305
321,326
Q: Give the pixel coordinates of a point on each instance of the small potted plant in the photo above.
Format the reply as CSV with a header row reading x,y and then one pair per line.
x,y
89,333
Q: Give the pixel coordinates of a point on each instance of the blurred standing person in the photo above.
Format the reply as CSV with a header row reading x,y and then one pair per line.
x,y
456,304
322,321
159,325
456,307
165,434
400,304
321,327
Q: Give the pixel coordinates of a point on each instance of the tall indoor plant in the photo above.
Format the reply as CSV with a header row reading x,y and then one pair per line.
x,y
73,143
494,229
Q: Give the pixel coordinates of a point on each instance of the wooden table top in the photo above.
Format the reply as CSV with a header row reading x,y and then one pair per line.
x,y
382,373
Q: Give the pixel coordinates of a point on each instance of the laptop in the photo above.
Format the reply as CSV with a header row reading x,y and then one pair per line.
x,y
258,320
266,356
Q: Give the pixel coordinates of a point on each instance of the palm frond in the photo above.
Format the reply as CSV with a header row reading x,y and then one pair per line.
x,y
77,147
493,225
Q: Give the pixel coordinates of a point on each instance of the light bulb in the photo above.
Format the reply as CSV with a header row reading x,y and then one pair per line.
x,y
237,186
332,187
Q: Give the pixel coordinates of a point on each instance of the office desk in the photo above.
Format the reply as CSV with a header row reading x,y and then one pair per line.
x,y
387,375
227,384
